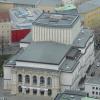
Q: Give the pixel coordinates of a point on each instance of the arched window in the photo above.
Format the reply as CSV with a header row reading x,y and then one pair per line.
x,y
27,91
42,80
49,81
34,91
27,79
20,89
49,92
34,80
19,78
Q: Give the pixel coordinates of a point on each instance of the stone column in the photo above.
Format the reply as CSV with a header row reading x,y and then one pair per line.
x,y
23,84
31,82
23,90
38,92
45,82
23,80
14,83
46,93
38,80
38,85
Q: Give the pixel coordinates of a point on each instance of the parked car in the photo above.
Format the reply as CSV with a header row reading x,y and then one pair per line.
x,y
98,64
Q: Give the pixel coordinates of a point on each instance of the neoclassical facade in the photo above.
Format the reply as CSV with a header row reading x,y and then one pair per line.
x,y
92,87
35,82
47,67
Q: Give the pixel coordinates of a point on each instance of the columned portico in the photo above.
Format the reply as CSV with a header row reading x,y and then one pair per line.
x,y
37,84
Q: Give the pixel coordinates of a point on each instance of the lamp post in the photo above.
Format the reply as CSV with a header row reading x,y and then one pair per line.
x,y
2,45
2,52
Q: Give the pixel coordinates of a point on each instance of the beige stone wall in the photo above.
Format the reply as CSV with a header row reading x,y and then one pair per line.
x,y
5,32
32,72
6,6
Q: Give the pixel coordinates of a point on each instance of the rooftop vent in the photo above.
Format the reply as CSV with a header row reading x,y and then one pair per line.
x,y
82,31
66,17
79,39
45,16
55,18
73,54
67,67
72,96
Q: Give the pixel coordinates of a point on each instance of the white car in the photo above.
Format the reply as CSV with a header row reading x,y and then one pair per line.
x,y
98,64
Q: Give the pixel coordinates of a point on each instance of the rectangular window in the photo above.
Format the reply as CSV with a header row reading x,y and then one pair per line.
x,y
96,93
93,92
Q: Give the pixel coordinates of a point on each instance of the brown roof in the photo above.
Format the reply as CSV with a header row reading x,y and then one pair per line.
x,y
4,16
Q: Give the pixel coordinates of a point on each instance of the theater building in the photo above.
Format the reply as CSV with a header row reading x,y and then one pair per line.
x,y
53,60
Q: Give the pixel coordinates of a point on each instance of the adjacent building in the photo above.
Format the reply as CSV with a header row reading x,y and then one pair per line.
x,y
26,41
19,3
5,27
49,5
76,2
92,87
73,95
18,34
21,21
46,5
22,18
90,13
53,58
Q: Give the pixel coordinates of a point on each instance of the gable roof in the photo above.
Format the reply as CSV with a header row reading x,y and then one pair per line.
x,y
56,20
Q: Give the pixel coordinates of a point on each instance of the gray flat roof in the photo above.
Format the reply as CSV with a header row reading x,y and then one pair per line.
x,y
94,80
88,6
69,65
12,60
27,39
50,2
70,95
71,12
27,2
44,52
56,20
72,60
34,2
22,18
82,38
